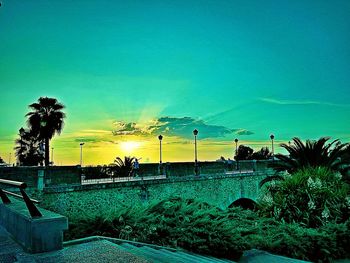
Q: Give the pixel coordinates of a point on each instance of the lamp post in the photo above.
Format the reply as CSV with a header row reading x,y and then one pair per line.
x,y
236,142
52,155
81,154
236,152
160,137
196,168
272,137
21,134
46,143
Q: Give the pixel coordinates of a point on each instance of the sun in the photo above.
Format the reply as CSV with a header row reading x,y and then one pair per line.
x,y
129,146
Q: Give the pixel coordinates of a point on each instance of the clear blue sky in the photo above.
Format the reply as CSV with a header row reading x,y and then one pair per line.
x,y
241,69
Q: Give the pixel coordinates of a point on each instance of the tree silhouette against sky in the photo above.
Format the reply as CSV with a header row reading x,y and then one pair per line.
x,y
46,119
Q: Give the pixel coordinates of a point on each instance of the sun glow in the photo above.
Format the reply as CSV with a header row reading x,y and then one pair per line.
x,y
129,146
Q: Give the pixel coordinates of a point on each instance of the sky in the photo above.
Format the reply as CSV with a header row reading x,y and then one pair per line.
x,y
128,71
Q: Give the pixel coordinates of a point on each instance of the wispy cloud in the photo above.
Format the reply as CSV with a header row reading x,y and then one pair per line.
x,y
174,126
300,102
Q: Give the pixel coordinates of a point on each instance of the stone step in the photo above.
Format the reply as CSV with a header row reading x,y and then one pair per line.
x,y
142,252
170,256
195,258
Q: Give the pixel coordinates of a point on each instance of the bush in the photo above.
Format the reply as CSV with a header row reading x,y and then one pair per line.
x,y
205,229
312,197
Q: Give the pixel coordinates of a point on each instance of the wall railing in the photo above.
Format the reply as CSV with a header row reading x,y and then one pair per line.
x,y
33,210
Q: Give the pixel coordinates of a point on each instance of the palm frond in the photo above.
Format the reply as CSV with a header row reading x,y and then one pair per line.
x,y
269,179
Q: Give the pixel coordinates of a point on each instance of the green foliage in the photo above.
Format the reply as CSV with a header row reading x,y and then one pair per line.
x,y
205,229
334,155
312,197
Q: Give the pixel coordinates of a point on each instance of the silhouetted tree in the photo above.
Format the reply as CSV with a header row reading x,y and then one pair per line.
x,y
1,160
120,168
262,154
46,119
314,153
243,153
28,151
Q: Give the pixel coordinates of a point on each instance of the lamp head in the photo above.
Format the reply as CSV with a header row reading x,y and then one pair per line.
x,y
195,132
160,137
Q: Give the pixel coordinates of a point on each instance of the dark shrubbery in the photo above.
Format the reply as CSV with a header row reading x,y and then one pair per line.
x,y
205,229
314,153
311,197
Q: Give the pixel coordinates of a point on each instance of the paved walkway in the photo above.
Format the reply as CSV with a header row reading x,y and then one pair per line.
x,y
98,251
102,250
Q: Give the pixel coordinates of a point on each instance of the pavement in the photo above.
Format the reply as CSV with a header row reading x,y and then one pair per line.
x,y
97,250
101,249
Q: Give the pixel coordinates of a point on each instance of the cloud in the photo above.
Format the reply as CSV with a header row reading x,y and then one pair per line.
x,y
122,128
90,140
172,126
244,132
300,102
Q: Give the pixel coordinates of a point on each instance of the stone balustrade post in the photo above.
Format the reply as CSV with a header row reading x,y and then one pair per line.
x,y
41,175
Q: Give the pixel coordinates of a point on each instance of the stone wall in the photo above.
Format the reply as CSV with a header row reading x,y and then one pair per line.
x,y
176,169
29,175
102,199
54,175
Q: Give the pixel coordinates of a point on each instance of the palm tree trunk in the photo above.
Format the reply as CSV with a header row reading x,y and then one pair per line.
x,y
47,151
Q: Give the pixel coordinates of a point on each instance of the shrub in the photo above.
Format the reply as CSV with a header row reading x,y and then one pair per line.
x,y
205,229
311,197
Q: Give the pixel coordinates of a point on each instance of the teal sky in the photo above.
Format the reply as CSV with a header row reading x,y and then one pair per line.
x,y
238,67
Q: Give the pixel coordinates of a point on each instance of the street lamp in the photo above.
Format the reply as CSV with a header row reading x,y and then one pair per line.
x,y
52,156
160,137
272,137
236,142
21,134
196,168
81,153
46,143
236,152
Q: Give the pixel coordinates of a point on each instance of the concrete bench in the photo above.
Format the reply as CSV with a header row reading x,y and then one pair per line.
x,y
35,235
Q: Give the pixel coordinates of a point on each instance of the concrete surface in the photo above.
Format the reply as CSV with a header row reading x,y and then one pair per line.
x,y
36,235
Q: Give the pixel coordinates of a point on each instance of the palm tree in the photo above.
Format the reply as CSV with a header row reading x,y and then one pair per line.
x,y
313,153
46,120
28,150
122,168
